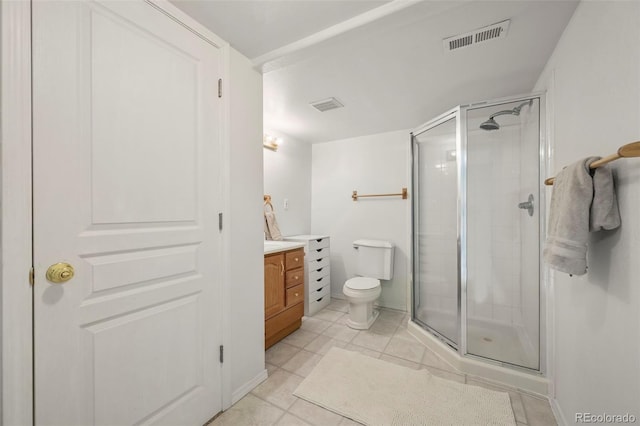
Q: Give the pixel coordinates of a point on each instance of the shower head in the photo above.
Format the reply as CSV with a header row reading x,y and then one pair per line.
x,y
491,124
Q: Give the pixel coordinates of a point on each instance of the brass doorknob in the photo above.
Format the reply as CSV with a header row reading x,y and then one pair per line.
x,y
60,273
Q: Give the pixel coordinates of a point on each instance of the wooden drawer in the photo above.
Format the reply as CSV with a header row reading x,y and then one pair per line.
x,y
319,273
295,295
294,277
284,323
274,290
294,259
318,263
317,254
318,244
319,283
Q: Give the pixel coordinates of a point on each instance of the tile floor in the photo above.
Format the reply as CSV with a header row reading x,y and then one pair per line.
x,y
290,360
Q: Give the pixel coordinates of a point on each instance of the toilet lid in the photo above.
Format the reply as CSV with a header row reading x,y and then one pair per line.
x,y
362,283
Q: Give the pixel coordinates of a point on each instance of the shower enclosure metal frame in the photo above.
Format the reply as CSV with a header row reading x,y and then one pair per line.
x,y
459,113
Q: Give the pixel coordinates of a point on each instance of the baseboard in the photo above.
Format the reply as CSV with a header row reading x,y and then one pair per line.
x,y
239,393
557,412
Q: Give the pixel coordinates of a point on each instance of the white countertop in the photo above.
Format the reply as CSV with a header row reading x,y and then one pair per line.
x,y
304,237
277,246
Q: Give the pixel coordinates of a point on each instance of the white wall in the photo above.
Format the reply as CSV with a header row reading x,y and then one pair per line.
x,y
594,78
244,222
371,165
287,175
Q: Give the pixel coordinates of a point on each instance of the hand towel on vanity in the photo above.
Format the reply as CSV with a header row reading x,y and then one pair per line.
x,y
271,229
267,234
566,246
272,224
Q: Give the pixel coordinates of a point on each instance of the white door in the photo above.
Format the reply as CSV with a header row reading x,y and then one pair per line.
x,y
127,191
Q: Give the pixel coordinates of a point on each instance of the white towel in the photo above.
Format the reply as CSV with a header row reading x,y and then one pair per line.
x,y
575,209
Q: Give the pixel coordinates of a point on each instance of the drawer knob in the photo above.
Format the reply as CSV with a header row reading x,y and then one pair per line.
x,y
296,259
296,294
295,278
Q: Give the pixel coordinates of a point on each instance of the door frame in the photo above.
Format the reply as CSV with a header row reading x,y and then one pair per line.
x,y
16,214
16,247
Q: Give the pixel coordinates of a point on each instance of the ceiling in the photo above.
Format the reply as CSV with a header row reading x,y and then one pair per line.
x,y
383,60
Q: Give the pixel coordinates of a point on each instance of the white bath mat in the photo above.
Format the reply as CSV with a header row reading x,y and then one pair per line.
x,y
377,392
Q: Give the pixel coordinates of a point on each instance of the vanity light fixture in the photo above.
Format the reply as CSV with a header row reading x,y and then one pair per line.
x,y
270,142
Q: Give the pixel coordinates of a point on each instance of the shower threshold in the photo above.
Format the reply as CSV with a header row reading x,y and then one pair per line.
x,y
531,382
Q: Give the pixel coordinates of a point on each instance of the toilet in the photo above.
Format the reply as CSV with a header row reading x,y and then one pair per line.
x,y
374,262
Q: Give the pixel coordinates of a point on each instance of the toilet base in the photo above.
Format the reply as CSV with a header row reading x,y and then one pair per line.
x,y
362,322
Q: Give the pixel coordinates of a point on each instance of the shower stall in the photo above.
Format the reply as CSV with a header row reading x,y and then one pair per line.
x,y
477,221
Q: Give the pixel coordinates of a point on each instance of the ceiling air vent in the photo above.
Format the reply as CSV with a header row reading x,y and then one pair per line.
x,y
326,104
481,35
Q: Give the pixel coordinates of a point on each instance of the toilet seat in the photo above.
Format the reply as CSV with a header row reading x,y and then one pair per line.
x,y
362,283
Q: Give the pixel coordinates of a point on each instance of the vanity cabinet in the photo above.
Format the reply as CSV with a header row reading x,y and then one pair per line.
x,y
317,271
283,294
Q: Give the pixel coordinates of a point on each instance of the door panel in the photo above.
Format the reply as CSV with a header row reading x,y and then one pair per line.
x,y
436,286
170,329
126,189
124,89
274,293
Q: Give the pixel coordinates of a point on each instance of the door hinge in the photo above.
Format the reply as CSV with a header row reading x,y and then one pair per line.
x,y
221,354
219,87
220,221
31,276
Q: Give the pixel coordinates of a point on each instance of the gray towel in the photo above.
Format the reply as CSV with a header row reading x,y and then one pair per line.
x,y
578,204
604,208
568,233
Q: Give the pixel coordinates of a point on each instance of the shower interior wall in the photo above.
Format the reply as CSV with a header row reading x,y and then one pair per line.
x,y
493,253
499,159
530,297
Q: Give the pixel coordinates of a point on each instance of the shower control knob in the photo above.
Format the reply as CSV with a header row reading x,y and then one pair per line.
x,y
527,205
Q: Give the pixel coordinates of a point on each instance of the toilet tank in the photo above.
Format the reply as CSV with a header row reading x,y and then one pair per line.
x,y
374,259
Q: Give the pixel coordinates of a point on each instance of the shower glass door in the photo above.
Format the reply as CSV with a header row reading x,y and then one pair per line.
x,y
503,232
435,223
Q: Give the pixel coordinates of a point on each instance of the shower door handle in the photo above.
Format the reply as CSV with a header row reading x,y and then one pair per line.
x,y
527,205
